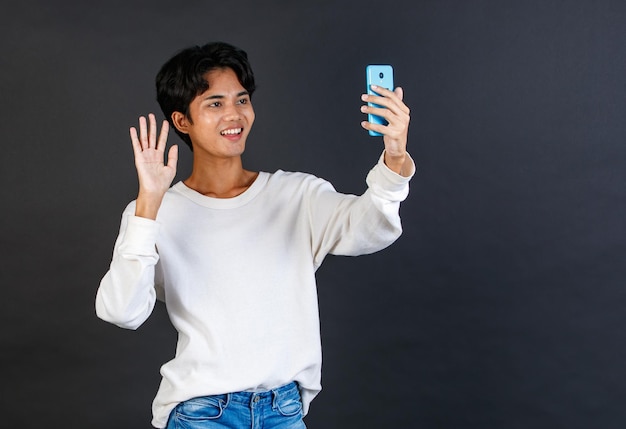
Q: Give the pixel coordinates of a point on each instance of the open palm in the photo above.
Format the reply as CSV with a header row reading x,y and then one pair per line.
x,y
155,177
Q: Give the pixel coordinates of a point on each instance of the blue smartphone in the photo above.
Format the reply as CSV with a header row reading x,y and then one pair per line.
x,y
381,75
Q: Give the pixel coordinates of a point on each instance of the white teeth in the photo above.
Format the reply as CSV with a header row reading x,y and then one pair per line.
x,y
232,131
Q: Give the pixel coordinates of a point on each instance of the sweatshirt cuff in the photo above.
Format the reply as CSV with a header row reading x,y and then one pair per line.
x,y
140,236
388,184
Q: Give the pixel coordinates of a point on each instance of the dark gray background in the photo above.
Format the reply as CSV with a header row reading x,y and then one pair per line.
x,y
501,306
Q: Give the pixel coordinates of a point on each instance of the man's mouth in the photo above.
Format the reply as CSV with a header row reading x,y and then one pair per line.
x,y
231,131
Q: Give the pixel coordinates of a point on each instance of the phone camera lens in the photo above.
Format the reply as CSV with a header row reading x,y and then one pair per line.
x,y
381,75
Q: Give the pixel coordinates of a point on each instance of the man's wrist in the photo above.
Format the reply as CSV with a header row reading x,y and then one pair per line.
x,y
147,206
397,163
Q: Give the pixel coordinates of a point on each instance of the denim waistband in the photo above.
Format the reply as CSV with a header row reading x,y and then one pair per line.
x,y
266,396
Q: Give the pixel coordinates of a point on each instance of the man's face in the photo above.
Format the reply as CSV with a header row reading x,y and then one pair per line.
x,y
221,117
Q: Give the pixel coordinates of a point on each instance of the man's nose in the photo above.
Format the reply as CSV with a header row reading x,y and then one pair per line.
x,y
232,113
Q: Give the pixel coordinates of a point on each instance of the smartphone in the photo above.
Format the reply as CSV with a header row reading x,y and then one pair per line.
x,y
381,75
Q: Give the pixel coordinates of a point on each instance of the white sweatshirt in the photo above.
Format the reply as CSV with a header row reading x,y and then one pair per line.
x,y
238,278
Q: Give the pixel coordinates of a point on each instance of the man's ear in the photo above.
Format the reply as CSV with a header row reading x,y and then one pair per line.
x,y
181,122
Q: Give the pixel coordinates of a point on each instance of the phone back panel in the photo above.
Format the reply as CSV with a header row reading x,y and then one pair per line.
x,y
381,75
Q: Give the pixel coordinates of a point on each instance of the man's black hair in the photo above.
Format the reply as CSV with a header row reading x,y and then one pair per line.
x,y
182,77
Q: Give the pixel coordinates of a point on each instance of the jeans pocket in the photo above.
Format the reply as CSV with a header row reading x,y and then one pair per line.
x,y
202,409
289,406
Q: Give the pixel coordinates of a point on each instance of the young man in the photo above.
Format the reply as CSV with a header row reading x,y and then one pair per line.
x,y
233,253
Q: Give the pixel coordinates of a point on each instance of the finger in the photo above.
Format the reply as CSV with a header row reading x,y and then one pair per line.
x,y
152,133
392,103
388,112
383,92
391,116
378,111
143,133
135,140
394,123
389,99
377,100
399,92
172,157
374,127
162,136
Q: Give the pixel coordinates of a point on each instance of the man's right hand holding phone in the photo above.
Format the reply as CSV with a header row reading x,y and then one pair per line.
x,y
395,133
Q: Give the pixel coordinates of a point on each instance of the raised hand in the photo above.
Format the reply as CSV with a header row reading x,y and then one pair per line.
x,y
155,177
395,133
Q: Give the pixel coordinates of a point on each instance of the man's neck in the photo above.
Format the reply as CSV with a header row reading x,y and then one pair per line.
x,y
220,178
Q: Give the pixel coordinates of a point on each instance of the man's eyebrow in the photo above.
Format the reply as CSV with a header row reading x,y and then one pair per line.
x,y
219,97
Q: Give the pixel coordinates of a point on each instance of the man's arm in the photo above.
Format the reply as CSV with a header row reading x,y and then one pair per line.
x,y
126,295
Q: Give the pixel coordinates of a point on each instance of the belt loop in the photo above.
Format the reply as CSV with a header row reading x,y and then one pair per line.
x,y
274,399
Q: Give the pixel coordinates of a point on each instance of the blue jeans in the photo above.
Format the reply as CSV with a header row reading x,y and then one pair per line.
x,y
279,408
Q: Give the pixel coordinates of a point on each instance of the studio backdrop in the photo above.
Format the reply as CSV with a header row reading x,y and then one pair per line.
x,y
500,306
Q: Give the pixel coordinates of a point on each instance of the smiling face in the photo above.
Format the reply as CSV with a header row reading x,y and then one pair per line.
x,y
221,117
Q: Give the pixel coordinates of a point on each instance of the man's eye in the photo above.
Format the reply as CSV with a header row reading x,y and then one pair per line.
x,y
216,104
243,101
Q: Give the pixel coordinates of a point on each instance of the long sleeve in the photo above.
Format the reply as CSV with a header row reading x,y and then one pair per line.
x,y
349,225
127,294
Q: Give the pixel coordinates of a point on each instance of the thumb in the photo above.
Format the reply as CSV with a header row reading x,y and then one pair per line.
x,y
399,92
172,156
